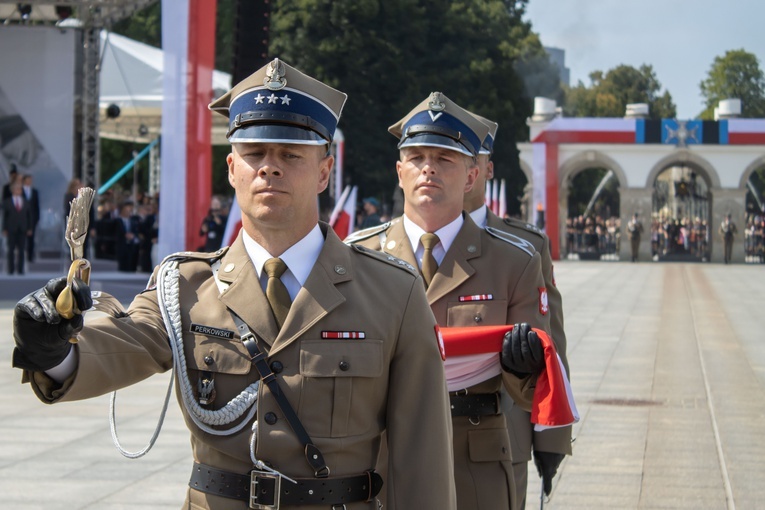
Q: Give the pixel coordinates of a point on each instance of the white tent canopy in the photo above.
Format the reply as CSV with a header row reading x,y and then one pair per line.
x,y
131,78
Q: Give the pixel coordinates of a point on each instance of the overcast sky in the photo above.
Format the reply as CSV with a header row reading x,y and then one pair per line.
x,y
679,38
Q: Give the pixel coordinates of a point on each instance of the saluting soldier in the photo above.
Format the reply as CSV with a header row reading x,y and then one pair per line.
x,y
634,229
550,446
288,368
474,277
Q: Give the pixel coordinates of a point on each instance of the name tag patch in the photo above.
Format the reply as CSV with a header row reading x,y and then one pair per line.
x,y
211,331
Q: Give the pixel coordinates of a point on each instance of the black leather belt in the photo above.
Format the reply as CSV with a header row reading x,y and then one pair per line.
x,y
262,490
480,404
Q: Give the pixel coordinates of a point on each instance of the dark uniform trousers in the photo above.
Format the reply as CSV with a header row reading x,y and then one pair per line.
x,y
522,434
478,263
346,392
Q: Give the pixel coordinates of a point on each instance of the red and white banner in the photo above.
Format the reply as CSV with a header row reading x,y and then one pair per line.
x,y
233,224
588,130
343,217
746,131
188,43
502,199
494,196
553,403
487,194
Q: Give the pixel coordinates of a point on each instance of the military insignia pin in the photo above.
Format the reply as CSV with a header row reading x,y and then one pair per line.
x,y
275,79
436,102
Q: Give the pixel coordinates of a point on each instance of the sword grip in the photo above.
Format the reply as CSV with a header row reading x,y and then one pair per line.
x,y
65,302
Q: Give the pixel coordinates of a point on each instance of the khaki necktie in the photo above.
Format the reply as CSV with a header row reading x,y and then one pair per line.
x,y
276,292
429,264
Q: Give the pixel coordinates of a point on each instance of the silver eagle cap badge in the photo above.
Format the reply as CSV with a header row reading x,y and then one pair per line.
x,y
275,73
436,102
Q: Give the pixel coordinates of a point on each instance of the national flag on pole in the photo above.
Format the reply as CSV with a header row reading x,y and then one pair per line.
x,y
233,224
494,196
343,217
553,403
487,195
502,200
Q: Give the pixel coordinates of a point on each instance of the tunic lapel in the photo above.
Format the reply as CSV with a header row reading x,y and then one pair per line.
x,y
319,296
244,294
456,268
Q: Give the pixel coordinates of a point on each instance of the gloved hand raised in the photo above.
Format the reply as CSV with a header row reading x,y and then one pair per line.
x,y
41,334
522,351
547,465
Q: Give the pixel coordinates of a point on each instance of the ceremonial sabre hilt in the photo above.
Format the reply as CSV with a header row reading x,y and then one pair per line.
x,y
75,236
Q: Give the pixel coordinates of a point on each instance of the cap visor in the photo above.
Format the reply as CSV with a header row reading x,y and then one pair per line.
x,y
270,133
433,140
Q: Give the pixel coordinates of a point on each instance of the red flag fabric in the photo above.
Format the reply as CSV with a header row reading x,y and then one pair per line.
x,y
553,402
343,217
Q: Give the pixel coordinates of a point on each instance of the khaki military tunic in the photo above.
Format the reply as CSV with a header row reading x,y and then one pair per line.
x,y
522,435
346,392
479,263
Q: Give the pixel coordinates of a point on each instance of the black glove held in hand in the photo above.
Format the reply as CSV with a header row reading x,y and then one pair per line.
x,y
547,465
522,351
41,334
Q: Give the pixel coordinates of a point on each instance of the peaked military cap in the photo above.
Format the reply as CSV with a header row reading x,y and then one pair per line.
x,y
487,147
440,122
279,104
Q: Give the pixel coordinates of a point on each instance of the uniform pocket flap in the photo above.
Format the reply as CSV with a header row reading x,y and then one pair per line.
x,y
218,356
341,358
488,445
476,313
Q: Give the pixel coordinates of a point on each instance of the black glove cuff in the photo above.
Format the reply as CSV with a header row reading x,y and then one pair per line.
x,y
41,362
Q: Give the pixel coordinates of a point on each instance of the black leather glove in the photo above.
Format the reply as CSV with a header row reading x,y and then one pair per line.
x,y
41,334
547,465
522,351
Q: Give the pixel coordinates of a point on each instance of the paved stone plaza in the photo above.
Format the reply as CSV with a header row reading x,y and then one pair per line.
x,y
668,370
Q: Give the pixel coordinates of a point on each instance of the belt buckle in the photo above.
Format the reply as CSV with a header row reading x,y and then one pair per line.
x,y
255,477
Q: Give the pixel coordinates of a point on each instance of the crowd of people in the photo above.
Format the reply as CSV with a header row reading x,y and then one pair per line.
x,y
683,236
754,238
593,235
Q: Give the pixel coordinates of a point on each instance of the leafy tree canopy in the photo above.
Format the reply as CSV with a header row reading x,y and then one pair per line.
x,y
737,74
609,94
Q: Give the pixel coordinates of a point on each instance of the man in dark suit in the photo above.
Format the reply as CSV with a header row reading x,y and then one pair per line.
x,y
32,197
126,232
17,221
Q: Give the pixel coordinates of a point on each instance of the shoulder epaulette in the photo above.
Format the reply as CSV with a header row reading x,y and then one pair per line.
x,y
516,241
385,257
367,233
524,225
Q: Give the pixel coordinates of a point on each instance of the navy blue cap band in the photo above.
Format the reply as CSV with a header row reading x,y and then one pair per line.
x,y
444,125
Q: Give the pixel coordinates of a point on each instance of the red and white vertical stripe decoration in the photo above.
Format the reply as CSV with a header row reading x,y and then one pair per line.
x,y
188,44
502,200
343,217
487,194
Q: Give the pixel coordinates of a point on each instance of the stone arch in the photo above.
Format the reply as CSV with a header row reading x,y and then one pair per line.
x,y
589,159
685,157
754,165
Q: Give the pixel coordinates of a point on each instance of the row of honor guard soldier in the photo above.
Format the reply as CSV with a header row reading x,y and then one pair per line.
x,y
550,446
474,277
286,376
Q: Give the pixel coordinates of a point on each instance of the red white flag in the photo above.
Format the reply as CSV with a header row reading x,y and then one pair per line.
x,y
487,195
494,196
502,200
233,224
343,217
553,403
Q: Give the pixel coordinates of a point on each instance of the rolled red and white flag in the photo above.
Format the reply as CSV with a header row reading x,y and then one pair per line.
x,y
553,403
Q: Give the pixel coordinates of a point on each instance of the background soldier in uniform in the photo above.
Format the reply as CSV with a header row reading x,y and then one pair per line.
x,y
728,230
552,445
473,278
345,371
635,228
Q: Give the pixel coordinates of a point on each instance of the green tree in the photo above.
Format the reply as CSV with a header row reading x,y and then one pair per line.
x,y
737,74
389,55
609,94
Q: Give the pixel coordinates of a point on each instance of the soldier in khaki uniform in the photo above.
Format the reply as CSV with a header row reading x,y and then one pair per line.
x,y
551,445
273,392
634,229
481,279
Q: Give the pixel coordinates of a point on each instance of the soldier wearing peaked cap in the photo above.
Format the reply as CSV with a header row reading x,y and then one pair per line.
x,y
550,445
287,373
474,277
